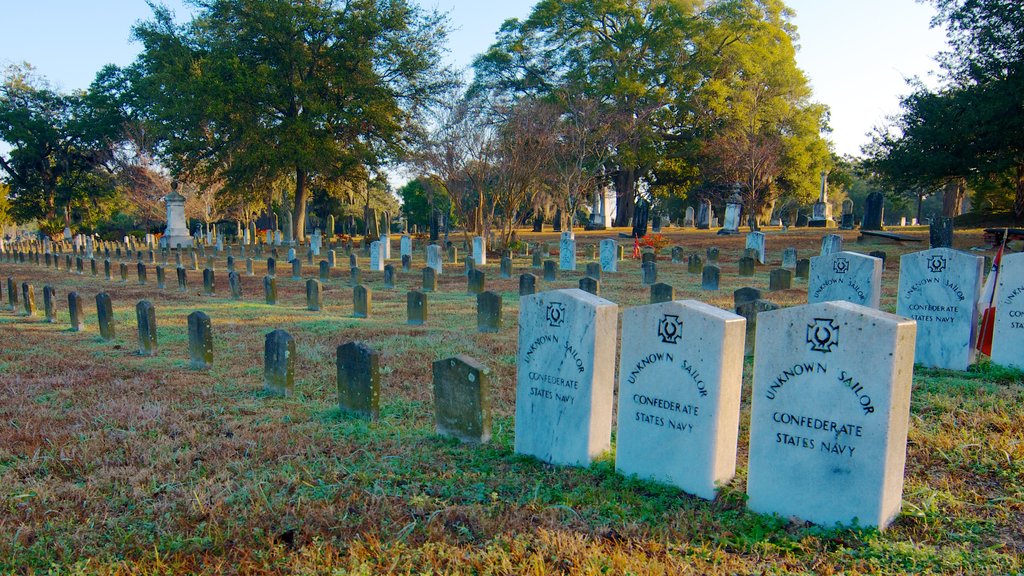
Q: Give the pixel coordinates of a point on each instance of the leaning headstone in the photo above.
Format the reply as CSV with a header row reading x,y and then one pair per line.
x,y
50,303
940,233
279,363
527,284
590,284
359,380
488,312
831,243
566,366
780,279
829,414
75,312
1008,333
462,399
200,341
270,290
755,241
314,295
416,307
105,316
679,395
362,300
145,316
567,256
710,277
939,288
848,276
28,299
662,292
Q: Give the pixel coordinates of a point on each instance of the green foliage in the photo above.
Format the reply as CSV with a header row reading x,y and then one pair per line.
x,y
419,197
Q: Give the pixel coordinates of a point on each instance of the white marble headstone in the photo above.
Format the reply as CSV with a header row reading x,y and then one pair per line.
x,y
479,250
376,258
848,276
609,255
566,370
680,374
1008,335
405,246
567,252
831,243
732,217
940,288
755,240
829,413
434,259
385,246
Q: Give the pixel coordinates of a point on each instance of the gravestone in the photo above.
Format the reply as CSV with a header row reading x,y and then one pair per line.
x,y
803,268
848,276
124,273
939,288
475,281
50,303
314,295
550,271
745,294
141,273
468,265
780,279
1008,332
272,267
145,316
679,395
389,277
28,299
182,279
296,269
873,211
416,307
749,309
488,312
648,273
940,233
831,243
733,208
405,246
755,242
829,414
609,255
75,312
648,257
689,218
270,290
434,259
354,276
208,282
712,254
590,284
325,271
662,292
200,341
564,387
359,380
880,255
710,277
479,250
593,270
694,264
429,280
362,301
677,254
105,316
506,267
527,284
746,266
789,258
567,255
462,399
704,215
406,263
161,278
279,363
376,257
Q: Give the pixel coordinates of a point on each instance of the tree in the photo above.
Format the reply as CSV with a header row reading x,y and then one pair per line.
x,y
252,90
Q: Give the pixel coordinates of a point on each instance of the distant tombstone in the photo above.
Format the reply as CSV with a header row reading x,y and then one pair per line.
x,y
271,267
831,243
182,276
389,277
662,292
873,211
475,282
405,246
479,250
141,273
694,264
848,276
124,273
28,299
940,233
749,310
161,277
567,256
359,380
556,224
745,294
279,363
640,217
105,316
75,312
362,301
50,303
709,277
416,307
270,290
733,209
648,273
376,257
939,288
296,269
550,271
325,271
704,215
1008,333
527,284
332,259
656,223
880,255
354,276
648,257
145,315
231,262
506,267
208,282
755,241
590,284
688,219
803,268
429,279
712,254
566,366
789,258
406,263
677,254
609,256
593,270
780,279
746,266
462,402
802,220
488,312
314,295
829,414
680,379
434,259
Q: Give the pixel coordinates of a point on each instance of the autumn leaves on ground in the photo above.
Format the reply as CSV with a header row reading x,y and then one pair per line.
x,y
115,463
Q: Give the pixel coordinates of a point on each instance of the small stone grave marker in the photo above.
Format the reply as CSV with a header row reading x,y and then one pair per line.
x,y
145,316
710,277
279,363
527,284
200,341
105,316
359,380
362,300
462,399
662,292
416,307
488,312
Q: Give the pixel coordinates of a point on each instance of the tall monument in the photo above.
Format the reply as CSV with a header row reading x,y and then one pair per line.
x,y
177,229
821,216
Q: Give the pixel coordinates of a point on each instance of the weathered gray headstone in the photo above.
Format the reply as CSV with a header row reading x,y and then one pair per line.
x,y
829,414
161,277
362,301
710,277
566,366
712,254
270,290
272,267
789,258
873,211
1008,332
527,284
803,268
694,264
105,316
479,250
550,271
145,316
780,279
679,395
677,254
592,285
50,303
429,279
831,243
594,270
608,255
359,380
567,252
462,399
939,288
506,267
749,309
746,266
28,299
389,277
755,242
314,295
124,273
662,292
475,282
355,276
75,312
488,312
648,273
296,269
416,307
200,341
848,276
434,259
745,294
209,285
940,233
279,363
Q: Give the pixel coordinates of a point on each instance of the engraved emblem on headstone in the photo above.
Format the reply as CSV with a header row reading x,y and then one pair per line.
x,y
841,266
556,314
670,328
823,335
936,264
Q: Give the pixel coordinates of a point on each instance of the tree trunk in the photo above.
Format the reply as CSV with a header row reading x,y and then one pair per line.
x,y
299,211
953,197
625,196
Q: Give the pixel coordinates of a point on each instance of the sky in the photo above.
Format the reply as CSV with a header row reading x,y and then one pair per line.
x,y
857,54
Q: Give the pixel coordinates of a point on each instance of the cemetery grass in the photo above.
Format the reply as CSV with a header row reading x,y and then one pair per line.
x,y
113,463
